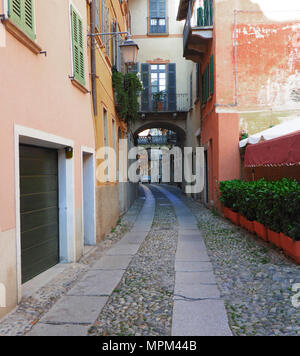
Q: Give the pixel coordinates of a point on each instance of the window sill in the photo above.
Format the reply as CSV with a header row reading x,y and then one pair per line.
x,y
22,37
79,86
166,34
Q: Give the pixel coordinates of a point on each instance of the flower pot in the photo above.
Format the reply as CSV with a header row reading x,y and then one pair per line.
x,y
287,244
234,217
160,106
247,224
251,227
243,222
226,212
296,252
274,237
260,230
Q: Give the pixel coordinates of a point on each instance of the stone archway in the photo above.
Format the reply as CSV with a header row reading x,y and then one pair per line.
x,y
177,126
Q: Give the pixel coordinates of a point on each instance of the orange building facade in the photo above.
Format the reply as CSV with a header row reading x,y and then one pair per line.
x,y
248,55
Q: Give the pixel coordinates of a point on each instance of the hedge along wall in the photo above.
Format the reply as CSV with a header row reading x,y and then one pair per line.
x,y
275,204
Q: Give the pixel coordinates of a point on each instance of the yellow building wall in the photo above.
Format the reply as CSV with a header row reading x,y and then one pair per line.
x,y
107,196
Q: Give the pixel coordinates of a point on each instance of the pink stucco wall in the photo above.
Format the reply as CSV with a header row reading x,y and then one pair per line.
x,y
36,92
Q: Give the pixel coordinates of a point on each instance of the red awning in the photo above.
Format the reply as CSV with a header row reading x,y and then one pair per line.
x,y
281,151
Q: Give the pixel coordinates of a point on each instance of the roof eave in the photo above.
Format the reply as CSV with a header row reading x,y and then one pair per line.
x,y
182,10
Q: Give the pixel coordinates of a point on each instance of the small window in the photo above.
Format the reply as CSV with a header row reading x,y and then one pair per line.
x,y
158,16
21,13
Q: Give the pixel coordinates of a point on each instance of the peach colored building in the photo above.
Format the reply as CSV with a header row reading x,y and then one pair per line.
x,y
47,141
247,53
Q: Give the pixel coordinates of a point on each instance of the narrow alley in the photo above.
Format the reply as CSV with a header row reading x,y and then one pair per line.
x,y
154,276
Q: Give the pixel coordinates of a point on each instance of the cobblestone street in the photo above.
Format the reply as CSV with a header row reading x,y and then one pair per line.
x,y
152,276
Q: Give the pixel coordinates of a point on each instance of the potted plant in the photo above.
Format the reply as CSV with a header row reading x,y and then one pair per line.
x,y
291,242
229,191
247,205
158,100
274,237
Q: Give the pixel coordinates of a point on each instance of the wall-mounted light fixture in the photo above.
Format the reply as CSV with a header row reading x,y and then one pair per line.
x,y
128,48
69,152
130,51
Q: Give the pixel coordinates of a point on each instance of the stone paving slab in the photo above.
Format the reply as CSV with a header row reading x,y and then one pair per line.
x,y
200,318
191,230
188,254
79,310
192,266
145,229
196,291
123,249
191,243
112,263
189,279
190,238
97,283
133,238
58,330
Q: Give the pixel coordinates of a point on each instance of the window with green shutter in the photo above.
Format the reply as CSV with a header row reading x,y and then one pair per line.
x,y
211,75
21,13
78,48
208,81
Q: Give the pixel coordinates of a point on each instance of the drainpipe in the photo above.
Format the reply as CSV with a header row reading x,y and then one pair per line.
x,y
93,56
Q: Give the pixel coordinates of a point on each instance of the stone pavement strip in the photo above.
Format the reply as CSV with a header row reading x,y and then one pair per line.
x,y
198,308
75,312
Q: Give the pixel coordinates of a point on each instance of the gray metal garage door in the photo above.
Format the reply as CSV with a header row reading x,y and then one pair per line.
x,y
39,210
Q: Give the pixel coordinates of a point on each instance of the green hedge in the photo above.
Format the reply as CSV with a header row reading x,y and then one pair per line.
x,y
276,204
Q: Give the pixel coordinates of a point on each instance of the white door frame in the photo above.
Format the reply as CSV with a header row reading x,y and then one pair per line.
x,y
88,196
25,135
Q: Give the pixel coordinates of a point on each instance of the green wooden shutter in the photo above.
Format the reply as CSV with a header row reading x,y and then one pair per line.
x,y
211,75
197,80
211,18
29,18
206,13
200,17
15,11
146,91
78,48
203,89
207,83
21,13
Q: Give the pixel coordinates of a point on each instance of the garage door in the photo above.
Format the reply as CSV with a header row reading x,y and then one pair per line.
x,y
39,210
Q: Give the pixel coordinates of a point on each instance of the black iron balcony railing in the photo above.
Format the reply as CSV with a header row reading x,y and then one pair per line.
x,y
168,103
157,140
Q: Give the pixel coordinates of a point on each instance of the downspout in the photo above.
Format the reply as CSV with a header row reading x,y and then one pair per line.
x,y
93,56
235,58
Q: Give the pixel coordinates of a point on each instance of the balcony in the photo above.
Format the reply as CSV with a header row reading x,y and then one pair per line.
x,y
157,140
198,29
169,103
